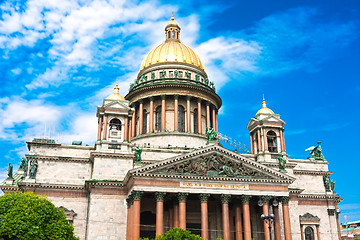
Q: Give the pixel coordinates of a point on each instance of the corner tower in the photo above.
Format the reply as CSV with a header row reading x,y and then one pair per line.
x,y
173,99
267,134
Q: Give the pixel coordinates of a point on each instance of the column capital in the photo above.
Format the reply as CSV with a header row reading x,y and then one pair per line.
x,y
163,97
160,196
136,195
245,198
204,197
285,200
176,96
182,197
188,97
265,199
199,100
225,198
129,201
151,98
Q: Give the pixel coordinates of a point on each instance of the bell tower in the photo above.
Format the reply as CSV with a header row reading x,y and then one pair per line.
x,y
267,134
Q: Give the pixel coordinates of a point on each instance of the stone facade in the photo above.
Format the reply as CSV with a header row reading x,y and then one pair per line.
x,y
155,166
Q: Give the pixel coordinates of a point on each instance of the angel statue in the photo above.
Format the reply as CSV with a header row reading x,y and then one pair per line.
x,y
316,152
211,134
10,171
137,154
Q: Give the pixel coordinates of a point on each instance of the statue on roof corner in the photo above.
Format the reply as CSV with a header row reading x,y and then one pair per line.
x,y
10,171
282,162
137,154
22,164
211,134
316,152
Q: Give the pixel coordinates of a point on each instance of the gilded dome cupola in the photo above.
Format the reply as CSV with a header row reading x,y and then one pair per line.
x,y
172,31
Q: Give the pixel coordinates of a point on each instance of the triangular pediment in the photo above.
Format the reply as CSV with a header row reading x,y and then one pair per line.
x,y
119,105
213,163
273,118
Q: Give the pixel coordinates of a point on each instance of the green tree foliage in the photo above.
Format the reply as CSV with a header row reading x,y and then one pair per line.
x,y
29,216
177,234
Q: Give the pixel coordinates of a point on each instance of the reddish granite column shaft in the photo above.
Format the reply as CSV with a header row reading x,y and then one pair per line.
x,y
159,217
251,143
141,117
151,115
99,128
265,140
302,232
105,127
259,140
266,223
213,119
277,229
318,232
225,220
182,215
238,223
207,115
129,130
128,223
163,113
131,221
176,215
188,114
216,122
126,129
246,217
286,217
176,113
199,117
133,123
204,220
136,220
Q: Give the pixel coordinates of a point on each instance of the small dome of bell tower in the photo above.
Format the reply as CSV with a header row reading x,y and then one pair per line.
x,y
172,31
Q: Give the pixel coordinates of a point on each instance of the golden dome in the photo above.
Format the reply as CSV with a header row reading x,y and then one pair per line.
x,y
172,50
115,95
264,110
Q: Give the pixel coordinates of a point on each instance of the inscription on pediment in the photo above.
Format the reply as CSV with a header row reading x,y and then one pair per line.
x,y
212,166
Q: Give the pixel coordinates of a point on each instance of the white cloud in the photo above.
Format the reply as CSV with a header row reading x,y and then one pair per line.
x,y
225,56
18,112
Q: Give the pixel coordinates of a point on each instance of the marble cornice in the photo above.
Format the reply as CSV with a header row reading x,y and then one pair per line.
x,y
273,164
334,197
104,183
295,191
30,185
311,172
57,158
110,155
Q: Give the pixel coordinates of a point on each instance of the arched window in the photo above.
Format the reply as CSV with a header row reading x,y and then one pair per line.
x,y
173,34
271,141
169,34
309,233
158,118
144,130
115,124
196,127
181,120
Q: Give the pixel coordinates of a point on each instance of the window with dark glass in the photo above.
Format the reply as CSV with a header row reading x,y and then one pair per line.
x,y
115,124
158,118
309,233
181,119
196,127
271,141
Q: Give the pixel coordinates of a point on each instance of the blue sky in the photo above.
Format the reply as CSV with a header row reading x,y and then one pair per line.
x,y
60,58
